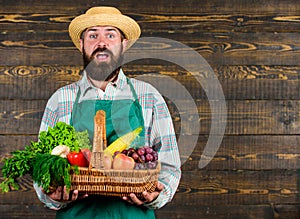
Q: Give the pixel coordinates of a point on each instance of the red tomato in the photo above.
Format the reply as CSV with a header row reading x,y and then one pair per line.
x,y
78,159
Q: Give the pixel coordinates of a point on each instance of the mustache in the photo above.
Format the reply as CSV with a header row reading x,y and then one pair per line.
x,y
101,50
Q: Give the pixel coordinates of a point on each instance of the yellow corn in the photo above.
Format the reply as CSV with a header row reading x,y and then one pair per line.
x,y
123,142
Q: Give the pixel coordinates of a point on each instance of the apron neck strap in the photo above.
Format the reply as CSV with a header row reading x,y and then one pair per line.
x,y
129,83
132,89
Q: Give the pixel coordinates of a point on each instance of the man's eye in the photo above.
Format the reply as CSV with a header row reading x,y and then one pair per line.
x,y
93,36
110,36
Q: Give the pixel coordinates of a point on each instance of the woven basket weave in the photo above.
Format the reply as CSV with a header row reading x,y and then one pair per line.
x,y
110,182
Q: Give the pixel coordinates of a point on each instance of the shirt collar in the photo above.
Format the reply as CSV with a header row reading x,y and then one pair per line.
x,y
86,85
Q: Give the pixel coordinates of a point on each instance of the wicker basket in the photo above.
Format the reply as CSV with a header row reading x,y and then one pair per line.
x,y
110,182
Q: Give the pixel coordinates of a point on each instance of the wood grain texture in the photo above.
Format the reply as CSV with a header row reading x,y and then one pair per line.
x,y
205,192
238,82
253,48
217,48
208,16
171,6
244,117
242,152
245,152
206,212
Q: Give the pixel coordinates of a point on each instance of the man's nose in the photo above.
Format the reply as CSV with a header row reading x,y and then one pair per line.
x,y
102,42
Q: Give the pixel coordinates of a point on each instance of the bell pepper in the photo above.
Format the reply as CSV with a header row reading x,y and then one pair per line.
x,y
78,158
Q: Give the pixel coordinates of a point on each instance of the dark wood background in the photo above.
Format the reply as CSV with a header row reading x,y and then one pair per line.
x,y
253,47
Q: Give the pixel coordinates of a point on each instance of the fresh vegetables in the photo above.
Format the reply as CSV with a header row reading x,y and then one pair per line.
x,y
58,153
22,161
61,150
18,165
51,171
83,140
60,134
77,158
123,142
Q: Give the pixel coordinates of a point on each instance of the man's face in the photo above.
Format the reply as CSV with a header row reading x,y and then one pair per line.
x,y
102,49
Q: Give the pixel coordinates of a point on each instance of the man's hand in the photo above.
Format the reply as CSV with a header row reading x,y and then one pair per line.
x,y
147,197
62,195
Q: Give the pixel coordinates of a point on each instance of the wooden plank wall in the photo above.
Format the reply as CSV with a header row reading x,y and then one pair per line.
x,y
253,47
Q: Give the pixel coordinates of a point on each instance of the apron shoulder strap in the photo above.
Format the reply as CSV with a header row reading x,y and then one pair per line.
x,y
135,96
75,105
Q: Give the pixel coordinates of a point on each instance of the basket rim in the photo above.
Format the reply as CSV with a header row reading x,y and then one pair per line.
x,y
157,169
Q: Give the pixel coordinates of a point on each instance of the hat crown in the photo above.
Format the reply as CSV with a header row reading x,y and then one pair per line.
x,y
103,10
104,16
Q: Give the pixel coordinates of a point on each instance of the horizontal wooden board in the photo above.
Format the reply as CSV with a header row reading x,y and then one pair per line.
x,y
248,152
164,23
171,212
238,211
25,210
32,56
37,48
173,6
243,117
35,82
213,188
10,143
236,82
209,188
233,15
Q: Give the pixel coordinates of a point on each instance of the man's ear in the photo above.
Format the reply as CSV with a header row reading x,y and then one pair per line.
x,y
81,45
124,43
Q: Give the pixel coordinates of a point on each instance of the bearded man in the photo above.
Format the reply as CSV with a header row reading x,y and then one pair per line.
x,y
102,35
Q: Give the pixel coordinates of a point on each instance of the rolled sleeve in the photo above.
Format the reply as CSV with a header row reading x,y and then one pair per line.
x,y
50,203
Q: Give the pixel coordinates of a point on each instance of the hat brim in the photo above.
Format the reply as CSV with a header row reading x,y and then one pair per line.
x,y
127,25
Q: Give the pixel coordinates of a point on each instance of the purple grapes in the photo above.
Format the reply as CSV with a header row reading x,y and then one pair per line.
x,y
151,165
141,151
155,155
148,150
123,152
149,157
135,156
145,157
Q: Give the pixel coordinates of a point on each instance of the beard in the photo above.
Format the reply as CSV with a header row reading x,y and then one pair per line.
x,y
102,71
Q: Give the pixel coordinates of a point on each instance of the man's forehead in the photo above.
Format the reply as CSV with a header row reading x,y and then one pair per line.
x,y
106,28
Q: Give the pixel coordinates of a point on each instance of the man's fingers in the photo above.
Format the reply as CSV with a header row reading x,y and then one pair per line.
x,y
66,194
128,200
135,199
57,194
149,197
84,196
132,199
160,186
74,195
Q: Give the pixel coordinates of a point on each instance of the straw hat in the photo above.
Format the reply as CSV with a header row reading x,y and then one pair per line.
x,y
104,16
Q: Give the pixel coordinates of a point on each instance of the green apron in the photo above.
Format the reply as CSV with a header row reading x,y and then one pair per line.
x,y
122,116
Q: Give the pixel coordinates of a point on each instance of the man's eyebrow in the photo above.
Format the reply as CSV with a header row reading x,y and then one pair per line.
x,y
108,29
111,29
91,29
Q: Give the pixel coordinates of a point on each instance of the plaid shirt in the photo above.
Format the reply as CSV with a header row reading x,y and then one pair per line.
x,y
158,127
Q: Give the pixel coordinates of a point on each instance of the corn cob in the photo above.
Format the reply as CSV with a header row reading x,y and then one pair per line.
x,y
123,142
